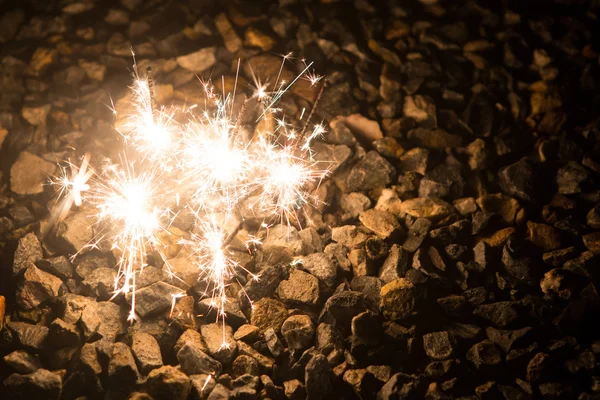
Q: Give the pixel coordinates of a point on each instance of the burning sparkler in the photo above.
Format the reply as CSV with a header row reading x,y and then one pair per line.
x,y
206,164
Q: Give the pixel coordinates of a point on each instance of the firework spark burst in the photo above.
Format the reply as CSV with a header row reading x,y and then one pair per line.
x,y
205,163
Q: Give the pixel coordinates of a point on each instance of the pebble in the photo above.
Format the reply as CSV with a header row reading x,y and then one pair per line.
x,y
28,252
398,299
268,313
298,332
198,61
35,287
322,266
300,288
219,341
30,173
233,43
168,382
382,223
370,172
147,352
22,362
427,207
155,298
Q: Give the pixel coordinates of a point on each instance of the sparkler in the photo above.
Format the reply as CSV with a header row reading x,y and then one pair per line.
x,y
206,164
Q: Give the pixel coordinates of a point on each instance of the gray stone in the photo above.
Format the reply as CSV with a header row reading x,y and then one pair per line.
x,y
353,204
233,314
247,333
63,334
322,266
35,287
22,362
299,288
349,236
30,173
195,361
318,378
370,172
147,352
243,365
273,343
41,384
437,345
154,298
76,231
122,371
382,223
340,308
28,252
168,382
198,61
100,283
59,266
298,331
484,355
416,234
268,313
398,299
218,338
501,314
395,265
282,238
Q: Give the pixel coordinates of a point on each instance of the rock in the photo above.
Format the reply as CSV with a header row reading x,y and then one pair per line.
x,y
520,180
116,16
28,252
88,361
539,367
99,283
122,371
593,217
432,208
36,116
273,343
322,266
331,156
256,38
22,362
42,384
382,223
479,154
421,109
319,379
300,288
390,202
243,365
349,236
41,60
234,315
434,138
557,258
395,265
543,236
507,207
233,43
294,390
398,299
93,70
340,308
506,339
30,173
437,345
484,354
37,286
592,241
353,204
147,352
363,128
283,239
298,331
198,61
415,160
194,361
59,266
248,333
370,286
76,231
63,334
10,22
155,298
370,172
268,313
570,178
265,363
443,181
168,383
416,234
501,314
219,341
117,45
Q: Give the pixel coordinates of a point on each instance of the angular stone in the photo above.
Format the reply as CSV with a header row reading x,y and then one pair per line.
x,y
353,204
484,355
300,288
192,337
382,223
398,299
243,365
30,173
155,298
28,252
219,342
59,266
42,384
198,61
36,287
593,217
342,307
434,138
63,334
298,331
506,339
268,313
501,314
416,234
395,265
362,127
349,236
543,236
99,283
322,266
319,378
570,178
247,333
168,382
415,160
195,361
76,231
146,351
234,315
282,238
122,371
232,41
427,207
22,362
437,345
370,172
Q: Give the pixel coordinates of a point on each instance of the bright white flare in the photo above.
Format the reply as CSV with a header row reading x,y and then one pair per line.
x,y
205,164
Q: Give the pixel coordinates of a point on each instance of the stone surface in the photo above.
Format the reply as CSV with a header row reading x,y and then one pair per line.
x,y
268,313
322,266
300,288
219,341
168,383
30,173
298,331
37,286
398,299
147,352
198,61
28,252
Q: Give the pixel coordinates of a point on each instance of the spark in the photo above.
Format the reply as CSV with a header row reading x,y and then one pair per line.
x,y
201,160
